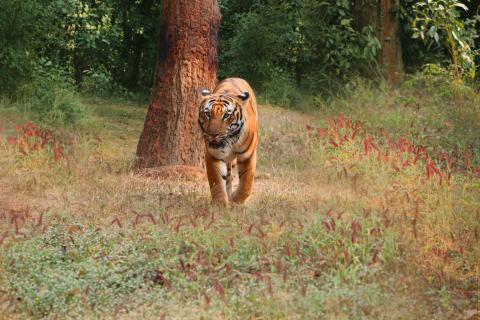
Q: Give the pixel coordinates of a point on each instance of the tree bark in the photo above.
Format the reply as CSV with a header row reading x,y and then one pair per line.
x,y
186,62
380,14
391,52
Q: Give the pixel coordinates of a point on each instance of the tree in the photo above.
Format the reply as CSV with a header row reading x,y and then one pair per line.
x,y
442,19
186,62
382,16
391,51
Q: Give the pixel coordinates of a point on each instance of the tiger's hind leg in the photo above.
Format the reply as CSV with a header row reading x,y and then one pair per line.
x,y
246,174
217,178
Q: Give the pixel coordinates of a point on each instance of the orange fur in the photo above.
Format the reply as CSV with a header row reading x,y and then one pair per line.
x,y
228,118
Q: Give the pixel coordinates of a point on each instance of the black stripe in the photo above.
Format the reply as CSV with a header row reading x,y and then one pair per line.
x,y
236,131
241,113
224,177
217,145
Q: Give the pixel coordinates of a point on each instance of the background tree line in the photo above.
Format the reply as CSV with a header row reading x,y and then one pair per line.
x,y
285,48
110,42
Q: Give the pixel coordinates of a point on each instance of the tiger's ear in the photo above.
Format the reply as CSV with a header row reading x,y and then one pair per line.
x,y
244,96
205,92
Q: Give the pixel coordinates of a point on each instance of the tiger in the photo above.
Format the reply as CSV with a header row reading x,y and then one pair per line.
x,y
228,119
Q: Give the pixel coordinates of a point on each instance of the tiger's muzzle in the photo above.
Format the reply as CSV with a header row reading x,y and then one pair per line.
x,y
215,138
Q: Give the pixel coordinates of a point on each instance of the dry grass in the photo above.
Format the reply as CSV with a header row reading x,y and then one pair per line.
x,y
330,232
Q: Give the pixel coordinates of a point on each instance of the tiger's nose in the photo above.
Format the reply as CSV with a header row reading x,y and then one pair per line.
x,y
213,133
215,137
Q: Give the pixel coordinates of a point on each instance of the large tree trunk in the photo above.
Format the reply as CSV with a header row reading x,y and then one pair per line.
x,y
380,14
186,62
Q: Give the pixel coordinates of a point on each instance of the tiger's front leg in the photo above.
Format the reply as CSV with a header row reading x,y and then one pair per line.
x,y
246,174
217,176
229,182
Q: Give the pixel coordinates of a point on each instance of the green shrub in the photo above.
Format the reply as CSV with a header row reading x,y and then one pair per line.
x,y
441,21
21,25
441,84
98,83
281,91
51,96
431,108
305,44
94,272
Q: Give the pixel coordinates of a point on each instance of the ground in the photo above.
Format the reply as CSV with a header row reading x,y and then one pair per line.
x,y
340,226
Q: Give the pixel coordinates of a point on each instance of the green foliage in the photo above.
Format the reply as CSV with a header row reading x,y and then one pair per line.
x,y
90,38
294,44
430,108
333,49
51,97
287,49
441,22
71,269
282,91
98,82
22,26
451,109
415,51
264,43
50,279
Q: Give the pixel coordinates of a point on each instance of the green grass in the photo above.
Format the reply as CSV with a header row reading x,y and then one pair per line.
x,y
432,110
330,232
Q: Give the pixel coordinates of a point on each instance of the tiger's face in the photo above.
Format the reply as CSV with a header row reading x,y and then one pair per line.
x,y
220,117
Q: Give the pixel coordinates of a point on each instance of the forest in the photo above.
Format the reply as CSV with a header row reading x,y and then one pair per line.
x,y
366,197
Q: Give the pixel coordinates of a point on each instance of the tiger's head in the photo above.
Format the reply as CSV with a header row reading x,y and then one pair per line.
x,y
220,116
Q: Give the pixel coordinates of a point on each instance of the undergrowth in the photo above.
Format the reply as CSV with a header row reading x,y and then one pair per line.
x,y
51,97
430,109
353,216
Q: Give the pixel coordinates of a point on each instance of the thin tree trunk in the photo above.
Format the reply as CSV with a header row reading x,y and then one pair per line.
x,y
186,62
380,15
134,72
391,52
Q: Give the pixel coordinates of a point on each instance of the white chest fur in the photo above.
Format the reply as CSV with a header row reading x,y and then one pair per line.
x,y
230,150
226,153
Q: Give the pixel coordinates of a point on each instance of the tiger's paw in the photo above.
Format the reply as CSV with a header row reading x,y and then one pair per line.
x,y
222,202
239,198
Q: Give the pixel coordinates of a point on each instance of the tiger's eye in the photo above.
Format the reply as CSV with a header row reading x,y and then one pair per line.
x,y
226,116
